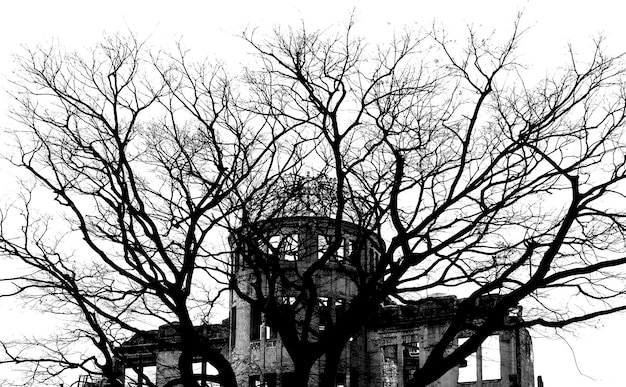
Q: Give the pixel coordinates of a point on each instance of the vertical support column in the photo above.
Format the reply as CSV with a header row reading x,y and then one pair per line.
x,y
479,366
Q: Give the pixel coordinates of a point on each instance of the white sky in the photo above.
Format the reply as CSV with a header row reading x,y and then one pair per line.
x,y
209,29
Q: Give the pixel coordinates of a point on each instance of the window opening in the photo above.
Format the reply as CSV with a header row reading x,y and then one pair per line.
x,y
274,241
340,380
202,369
269,333
136,377
411,358
290,247
340,307
285,246
343,251
486,359
340,256
233,325
468,369
490,358
255,323
269,380
257,326
254,381
131,379
325,320
322,245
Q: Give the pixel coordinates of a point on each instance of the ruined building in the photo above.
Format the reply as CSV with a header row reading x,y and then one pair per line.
x,y
391,345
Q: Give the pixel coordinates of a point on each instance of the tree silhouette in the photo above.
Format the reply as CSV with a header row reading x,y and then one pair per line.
x,y
464,177
479,184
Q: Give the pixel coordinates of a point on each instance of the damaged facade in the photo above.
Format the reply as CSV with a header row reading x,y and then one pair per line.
x,y
389,348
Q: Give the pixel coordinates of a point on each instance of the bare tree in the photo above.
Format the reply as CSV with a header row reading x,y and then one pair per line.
x,y
479,183
463,176
140,151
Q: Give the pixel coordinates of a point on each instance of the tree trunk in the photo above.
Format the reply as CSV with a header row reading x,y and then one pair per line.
x,y
331,364
302,374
